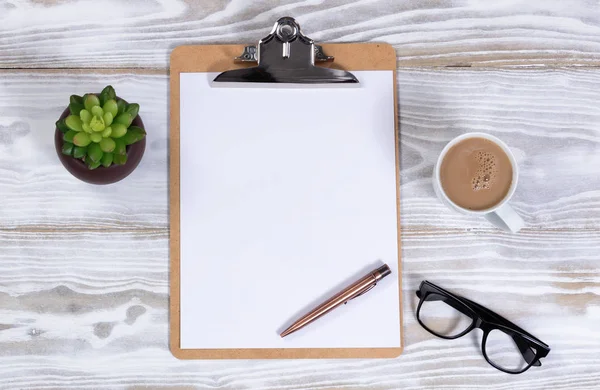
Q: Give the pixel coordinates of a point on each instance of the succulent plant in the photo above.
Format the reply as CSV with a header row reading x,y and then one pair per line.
x,y
99,129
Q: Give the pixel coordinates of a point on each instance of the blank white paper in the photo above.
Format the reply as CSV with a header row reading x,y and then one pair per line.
x,y
287,194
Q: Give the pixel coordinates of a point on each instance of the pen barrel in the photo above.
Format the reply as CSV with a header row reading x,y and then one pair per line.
x,y
350,292
354,290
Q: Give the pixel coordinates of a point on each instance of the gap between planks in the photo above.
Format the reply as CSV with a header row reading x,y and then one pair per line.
x,y
408,230
33,229
142,71
166,72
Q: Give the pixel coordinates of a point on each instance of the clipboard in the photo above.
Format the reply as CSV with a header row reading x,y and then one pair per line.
x,y
239,58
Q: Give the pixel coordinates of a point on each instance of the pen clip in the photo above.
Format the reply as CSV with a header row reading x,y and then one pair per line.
x,y
358,294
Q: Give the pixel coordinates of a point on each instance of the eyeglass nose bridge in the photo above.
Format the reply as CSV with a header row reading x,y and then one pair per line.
x,y
481,324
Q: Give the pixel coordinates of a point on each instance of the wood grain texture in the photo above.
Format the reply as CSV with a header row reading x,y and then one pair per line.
x,y
550,119
84,269
103,331
141,33
37,191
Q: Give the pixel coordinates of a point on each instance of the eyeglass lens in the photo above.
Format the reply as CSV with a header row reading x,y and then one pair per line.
x,y
502,351
441,318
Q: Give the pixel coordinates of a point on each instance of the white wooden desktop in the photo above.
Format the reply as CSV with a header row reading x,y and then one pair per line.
x,y
84,269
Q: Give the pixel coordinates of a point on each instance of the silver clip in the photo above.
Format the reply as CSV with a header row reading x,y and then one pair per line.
x,y
285,56
250,54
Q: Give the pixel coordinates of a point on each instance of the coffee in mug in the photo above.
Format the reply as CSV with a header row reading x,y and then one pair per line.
x,y
476,174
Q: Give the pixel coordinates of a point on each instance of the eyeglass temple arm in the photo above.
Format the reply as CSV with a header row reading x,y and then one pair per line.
x,y
526,351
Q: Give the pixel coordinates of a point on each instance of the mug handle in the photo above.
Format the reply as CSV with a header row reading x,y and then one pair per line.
x,y
506,218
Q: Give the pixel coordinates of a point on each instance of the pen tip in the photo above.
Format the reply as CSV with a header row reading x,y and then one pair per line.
x,y
287,331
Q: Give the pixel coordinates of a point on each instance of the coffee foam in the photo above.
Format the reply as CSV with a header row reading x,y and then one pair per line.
x,y
485,176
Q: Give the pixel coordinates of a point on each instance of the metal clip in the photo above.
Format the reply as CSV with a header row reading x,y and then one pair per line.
x,y
286,56
250,54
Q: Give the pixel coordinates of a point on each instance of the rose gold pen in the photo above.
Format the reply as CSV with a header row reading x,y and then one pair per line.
x,y
356,289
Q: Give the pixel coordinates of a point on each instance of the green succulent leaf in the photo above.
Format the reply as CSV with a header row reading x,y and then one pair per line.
x,y
118,130
107,145
107,94
107,159
86,127
120,147
124,119
97,111
120,159
94,152
91,163
68,136
90,101
107,132
85,116
102,97
112,107
82,139
60,125
121,105
79,152
132,109
97,123
75,108
133,135
108,118
73,122
76,99
111,92
96,137
67,148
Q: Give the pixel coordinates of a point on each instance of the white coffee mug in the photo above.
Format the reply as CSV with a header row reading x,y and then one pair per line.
x,y
501,215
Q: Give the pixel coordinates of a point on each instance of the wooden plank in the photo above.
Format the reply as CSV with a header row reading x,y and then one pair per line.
x,y
92,262
39,194
115,33
76,315
426,365
550,118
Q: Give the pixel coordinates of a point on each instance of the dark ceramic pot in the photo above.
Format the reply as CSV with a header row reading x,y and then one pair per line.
x,y
101,175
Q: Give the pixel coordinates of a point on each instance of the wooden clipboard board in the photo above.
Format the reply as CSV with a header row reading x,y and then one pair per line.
x,y
219,58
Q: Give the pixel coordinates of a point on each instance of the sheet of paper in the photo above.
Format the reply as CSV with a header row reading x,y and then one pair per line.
x,y
286,196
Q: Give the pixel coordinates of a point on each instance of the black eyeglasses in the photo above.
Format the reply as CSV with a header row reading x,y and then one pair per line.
x,y
505,346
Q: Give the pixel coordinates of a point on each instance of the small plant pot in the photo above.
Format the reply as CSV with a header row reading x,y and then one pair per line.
x,y
101,175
